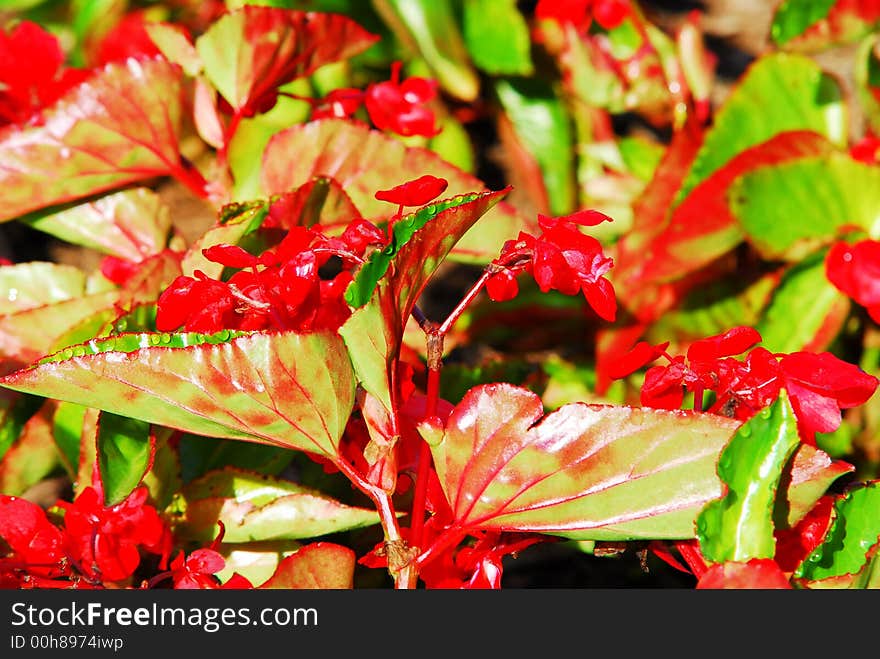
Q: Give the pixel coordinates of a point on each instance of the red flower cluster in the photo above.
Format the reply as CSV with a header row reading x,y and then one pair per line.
x,y
32,73
97,544
855,270
819,385
400,107
607,13
280,289
562,258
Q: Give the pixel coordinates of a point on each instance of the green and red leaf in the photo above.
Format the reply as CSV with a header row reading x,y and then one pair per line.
x,y
283,389
257,508
363,161
586,471
118,127
249,52
739,526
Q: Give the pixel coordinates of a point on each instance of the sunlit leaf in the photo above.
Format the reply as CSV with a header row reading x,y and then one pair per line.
x,y
789,209
542,125
33,456
374,332
806,312
255,508
33,284
779,92
431,30
589,472
702,228
131,224
363,161
283,389
812,26
118,127
497,37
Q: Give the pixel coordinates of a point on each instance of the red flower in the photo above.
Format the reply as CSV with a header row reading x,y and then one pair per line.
x,y
37,545
197,570
32,72
279,289
819,385
417,192
795,544
105,542
128,38
607,13
867,149
855,270
562,258
401,107
340,103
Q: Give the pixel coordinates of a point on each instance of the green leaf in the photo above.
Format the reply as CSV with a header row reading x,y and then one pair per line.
x,y
790,209
29,334
125,450
15,412
542,125
131,224
283,389
715,307
67,426
739,526
37,283
249,52
587,472
853,533
255,508
363,161
497,37
779,92
32,457
320,565
793,17
806,311
807,478
118,127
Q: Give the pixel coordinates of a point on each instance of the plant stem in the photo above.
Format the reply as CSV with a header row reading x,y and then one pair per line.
x,y
192,178
403,571
464,304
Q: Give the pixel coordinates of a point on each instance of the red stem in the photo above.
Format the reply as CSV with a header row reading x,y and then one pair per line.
x,y
690,552
420,493
192,178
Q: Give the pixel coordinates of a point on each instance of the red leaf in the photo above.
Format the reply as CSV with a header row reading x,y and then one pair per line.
x,y
731,342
